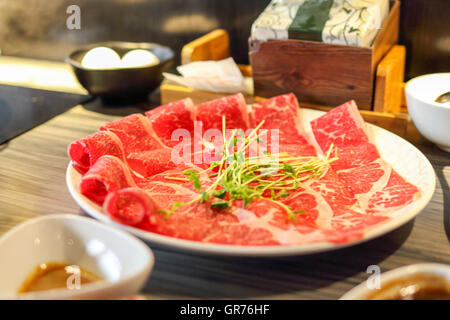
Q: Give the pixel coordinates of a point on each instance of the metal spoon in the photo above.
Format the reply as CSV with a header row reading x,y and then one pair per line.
x,y
444,98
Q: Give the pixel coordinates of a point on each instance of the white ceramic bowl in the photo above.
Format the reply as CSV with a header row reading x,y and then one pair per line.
x,y
362,291
431,118
122,261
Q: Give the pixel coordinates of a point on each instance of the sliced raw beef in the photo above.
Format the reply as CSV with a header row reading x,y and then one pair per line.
x,y
130,206
335,192
360,165
174,181
135,132
345,222
85,152
264,222
327,204
242,227
320,221
192,222
396,194
343,126
167,118
282,113
274,218
108,174
232,107
149,163
196,221
350,226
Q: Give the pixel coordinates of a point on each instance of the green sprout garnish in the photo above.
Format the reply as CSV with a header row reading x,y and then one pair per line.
x,y
241,177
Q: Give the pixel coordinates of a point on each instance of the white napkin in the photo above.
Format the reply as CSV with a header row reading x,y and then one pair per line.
x,y
216,76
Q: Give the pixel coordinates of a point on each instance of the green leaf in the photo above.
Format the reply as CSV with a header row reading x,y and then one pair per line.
x,y
194,178
189,172
220,193
220,205
205,196
196,182
284,194
288,168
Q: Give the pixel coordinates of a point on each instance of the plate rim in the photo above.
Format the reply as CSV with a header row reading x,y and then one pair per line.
x,y
260,251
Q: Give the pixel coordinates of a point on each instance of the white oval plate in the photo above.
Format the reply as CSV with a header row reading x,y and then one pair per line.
x,y
403,156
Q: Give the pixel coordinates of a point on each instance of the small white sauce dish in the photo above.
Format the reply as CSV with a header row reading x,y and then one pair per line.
x,y
431,118
122,261
364,290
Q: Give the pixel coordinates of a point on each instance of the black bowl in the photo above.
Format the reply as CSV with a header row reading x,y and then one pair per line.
x,y
122,82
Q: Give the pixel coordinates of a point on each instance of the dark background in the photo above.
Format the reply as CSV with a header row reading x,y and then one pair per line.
x,y
37,28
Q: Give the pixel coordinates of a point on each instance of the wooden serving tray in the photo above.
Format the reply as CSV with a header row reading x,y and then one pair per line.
x,y
389,98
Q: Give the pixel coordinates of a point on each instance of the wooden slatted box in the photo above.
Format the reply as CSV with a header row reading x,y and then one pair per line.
x,y
322,73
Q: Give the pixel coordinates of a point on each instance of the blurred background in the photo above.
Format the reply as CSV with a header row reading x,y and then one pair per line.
x,y
37,28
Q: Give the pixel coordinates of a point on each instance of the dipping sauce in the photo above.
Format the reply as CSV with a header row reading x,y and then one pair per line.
x,y
444,98
54,275
418,287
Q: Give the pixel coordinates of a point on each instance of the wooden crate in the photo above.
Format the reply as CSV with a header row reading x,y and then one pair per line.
x,y
322,73
389,98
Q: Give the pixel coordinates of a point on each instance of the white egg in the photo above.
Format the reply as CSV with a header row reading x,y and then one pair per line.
x,y
101,58
138,58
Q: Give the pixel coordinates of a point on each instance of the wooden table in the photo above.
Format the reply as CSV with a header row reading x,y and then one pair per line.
x,y
32,183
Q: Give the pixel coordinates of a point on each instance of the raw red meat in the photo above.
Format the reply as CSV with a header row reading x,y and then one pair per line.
x,y
328,204
85,152
192,222
274,218
232,107
130,206
360,166
170,117
396,194
135,132
151,162
342,126
108,174
282,113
